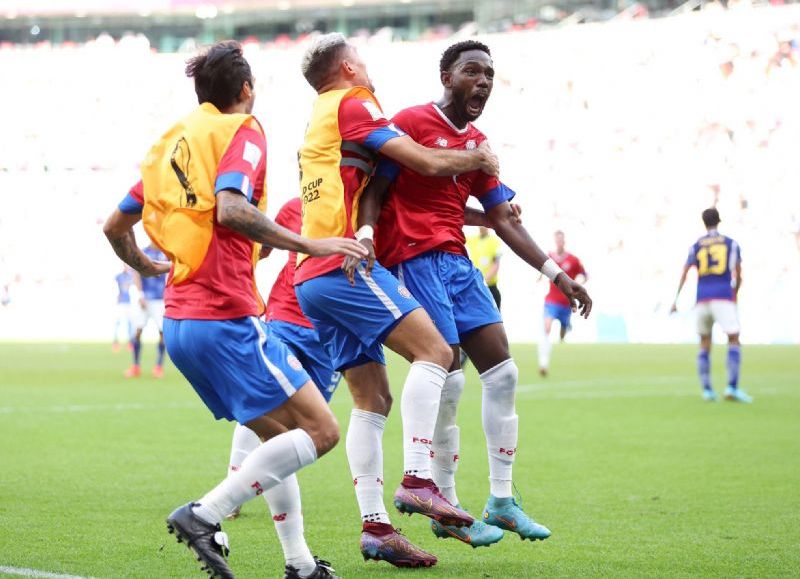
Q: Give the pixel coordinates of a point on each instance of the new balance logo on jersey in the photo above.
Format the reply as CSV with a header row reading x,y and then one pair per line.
x,y
508,451
256,485
441,141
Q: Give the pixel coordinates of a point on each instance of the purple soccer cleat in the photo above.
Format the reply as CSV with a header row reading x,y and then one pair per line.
x,y
382,542
417,495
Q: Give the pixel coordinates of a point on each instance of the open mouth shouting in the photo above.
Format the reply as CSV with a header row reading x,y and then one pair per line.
x,y
475,104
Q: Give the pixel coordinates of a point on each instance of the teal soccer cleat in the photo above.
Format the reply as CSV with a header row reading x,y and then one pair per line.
x,y
507,514
478,534
736,395
709,396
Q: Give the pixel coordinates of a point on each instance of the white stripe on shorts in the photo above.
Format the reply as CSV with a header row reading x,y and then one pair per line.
x,y
379,293
276,372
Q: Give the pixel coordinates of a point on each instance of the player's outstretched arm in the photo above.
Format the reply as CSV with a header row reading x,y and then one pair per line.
x,y
513,234
682,281
440,162
478,218
236,213
369,210
119,231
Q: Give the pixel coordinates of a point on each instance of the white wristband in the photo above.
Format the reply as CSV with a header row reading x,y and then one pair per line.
x,y
550,269
365,232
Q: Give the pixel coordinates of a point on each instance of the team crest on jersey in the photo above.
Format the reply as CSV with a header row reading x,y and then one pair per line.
x,y
403,291
471,144
441,141
294,362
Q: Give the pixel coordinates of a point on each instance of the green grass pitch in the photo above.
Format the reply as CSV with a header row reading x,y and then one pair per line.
x,y
618,455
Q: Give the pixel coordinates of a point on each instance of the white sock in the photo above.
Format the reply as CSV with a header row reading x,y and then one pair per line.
x,y
243,443
264,468
364,446
284,504
419,406
545,347
446,437
500,424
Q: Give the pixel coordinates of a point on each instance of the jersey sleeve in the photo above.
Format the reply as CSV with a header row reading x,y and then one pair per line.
x,y
490,191
243,162
691,260
736,254
362,122
133,202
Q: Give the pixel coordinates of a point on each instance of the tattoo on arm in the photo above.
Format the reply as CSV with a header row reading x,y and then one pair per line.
x,y
234,212
126,249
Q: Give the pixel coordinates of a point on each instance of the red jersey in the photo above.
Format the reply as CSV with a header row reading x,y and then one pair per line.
x,y
427,213
573,267
223,288
282,304
363,132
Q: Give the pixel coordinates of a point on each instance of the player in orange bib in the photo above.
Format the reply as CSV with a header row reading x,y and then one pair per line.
x,y
355,316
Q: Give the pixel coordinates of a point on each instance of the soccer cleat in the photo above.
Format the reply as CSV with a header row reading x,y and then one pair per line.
x,y
323,571
158,371
543,372
417,495
507,514
709,395
134,371
234,514
115,347
382,542
478,534
736,395
208,542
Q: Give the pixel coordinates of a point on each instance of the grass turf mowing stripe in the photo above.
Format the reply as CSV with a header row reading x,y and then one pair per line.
x,y
36,573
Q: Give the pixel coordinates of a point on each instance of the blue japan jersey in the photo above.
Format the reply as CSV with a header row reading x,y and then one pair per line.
x,y
124,281
715,256
153,287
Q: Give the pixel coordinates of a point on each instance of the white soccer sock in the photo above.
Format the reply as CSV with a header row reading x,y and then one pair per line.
x,y
500,424
243,443
264,468
284,504
419,406
446,437
364,446
545,347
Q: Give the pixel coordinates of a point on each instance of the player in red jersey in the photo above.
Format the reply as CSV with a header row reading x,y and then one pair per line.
x,y
420,238
290,326
211,328
556,304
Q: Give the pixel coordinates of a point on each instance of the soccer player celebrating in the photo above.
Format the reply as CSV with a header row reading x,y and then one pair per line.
x,y
719,277
556,304
420,238
287,322
150,307
355,316
204,196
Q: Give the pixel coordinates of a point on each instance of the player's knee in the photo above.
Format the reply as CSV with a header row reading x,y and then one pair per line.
x,y
325,435
438,352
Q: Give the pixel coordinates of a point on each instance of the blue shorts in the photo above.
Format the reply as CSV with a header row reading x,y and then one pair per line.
x,y
560,313
305,345
451,290
353,321
238,367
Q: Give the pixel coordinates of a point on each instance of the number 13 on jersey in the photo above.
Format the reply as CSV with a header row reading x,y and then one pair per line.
x,y
712,259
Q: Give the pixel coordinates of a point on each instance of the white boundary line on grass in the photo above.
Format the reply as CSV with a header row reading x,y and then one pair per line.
x,y
122,407
25,572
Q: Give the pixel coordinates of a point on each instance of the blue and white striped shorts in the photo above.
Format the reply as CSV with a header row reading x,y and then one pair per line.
x,y
353,321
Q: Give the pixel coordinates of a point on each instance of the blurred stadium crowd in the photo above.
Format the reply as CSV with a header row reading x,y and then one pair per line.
x,y
618,133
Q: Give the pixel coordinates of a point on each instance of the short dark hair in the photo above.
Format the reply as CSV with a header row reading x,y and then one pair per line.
x,y
321,59
450,55
711,217
219,72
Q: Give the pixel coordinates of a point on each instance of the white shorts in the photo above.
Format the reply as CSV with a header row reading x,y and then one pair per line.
x,y
154,310
723,312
